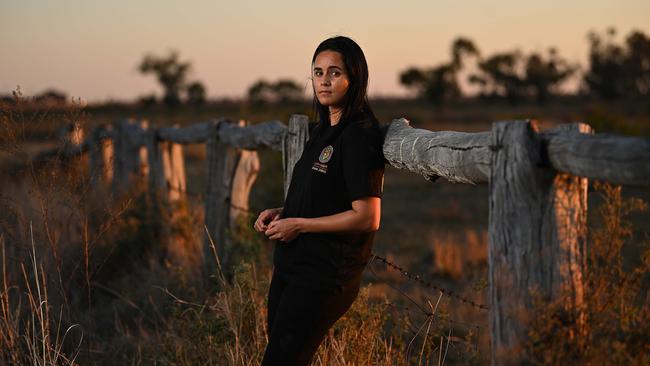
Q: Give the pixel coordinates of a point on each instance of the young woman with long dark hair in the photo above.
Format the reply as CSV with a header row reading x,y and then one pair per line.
x,y
324,232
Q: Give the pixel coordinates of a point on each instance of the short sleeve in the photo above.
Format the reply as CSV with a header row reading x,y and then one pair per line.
x,y
363,163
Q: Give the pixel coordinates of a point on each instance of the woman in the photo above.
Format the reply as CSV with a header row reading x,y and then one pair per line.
x,y
332,209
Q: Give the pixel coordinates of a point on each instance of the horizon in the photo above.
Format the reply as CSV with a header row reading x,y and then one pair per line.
x,y
44,40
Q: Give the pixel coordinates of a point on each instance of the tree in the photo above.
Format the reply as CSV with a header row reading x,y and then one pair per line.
x,y
637,63
440,84
171,74
542,75
514,76
605,66
282,91
260,92
437,85
619,70
502,76
462,47
196,93
287,90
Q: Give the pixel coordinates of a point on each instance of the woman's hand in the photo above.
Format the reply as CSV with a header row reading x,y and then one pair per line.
x,y
266,217
284,229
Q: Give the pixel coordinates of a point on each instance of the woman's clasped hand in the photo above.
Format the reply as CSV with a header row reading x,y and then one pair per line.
x,y
275,228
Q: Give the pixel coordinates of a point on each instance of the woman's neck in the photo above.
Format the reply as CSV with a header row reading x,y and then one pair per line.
x,y
335,115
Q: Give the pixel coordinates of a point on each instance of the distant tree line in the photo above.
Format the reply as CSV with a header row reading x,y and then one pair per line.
x,y
619,70
48,98
281,91
171,74
614,71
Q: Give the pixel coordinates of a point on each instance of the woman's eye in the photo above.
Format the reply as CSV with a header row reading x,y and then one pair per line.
x,y
335,73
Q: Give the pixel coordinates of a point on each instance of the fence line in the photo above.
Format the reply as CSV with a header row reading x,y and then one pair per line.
x,y
537,190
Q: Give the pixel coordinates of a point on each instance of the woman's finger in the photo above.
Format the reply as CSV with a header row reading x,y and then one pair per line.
x,y
258,225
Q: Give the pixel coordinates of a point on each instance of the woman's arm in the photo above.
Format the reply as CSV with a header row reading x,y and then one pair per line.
x,y
363,217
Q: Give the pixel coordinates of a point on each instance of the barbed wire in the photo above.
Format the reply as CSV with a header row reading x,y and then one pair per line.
x,y
405,273
430,315
416,278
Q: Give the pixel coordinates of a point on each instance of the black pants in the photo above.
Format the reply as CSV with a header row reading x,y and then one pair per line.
x,y
299,318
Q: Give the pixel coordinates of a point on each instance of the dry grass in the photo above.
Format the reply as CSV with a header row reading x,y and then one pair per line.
x,y
89,280
455,252
611,328
38,336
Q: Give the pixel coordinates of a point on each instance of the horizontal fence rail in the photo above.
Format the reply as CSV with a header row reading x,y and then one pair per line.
x,y
456,156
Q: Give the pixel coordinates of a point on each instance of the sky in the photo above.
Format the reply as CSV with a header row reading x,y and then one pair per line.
x,y
90,49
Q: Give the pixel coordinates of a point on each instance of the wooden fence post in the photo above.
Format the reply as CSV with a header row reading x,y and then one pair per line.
x,y
537,235
245,175
568,197
174,170
166,167
72,135
101,156
154,157
222,161
127,146
293,144
231,174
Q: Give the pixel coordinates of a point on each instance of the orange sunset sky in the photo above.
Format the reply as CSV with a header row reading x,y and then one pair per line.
x,y
91,49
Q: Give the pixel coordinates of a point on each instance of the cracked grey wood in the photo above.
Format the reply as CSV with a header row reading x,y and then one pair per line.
x,y
128,139
613,158
457,156
221,162
537,233
293,145
261,135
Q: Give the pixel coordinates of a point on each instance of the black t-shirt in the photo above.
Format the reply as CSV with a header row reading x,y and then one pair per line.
x,y
339,164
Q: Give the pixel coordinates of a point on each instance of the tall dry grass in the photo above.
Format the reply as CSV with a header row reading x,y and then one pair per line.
x,y
90,279
37,337
611,327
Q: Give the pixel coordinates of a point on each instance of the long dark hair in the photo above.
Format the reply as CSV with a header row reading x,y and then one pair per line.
x,y
356,99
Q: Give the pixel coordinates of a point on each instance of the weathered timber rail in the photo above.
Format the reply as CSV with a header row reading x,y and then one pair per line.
x,y
537,190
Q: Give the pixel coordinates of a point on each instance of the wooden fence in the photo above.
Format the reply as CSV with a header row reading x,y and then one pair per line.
x,y
537,190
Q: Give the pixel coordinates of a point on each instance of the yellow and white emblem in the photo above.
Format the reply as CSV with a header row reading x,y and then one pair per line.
x,y
326,154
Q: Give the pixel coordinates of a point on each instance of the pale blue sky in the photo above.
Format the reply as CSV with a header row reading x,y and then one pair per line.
x,y
91,49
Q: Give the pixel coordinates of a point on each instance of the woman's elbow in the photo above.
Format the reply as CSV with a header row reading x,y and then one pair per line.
x,y
368,212
372,224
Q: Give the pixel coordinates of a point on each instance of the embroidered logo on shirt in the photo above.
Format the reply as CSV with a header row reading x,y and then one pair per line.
x,y
326,154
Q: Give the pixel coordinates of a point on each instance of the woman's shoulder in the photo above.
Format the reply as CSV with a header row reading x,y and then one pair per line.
x,y
364,120
363,133
362,124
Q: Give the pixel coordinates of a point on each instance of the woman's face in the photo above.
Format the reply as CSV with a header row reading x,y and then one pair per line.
x,y
329,79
